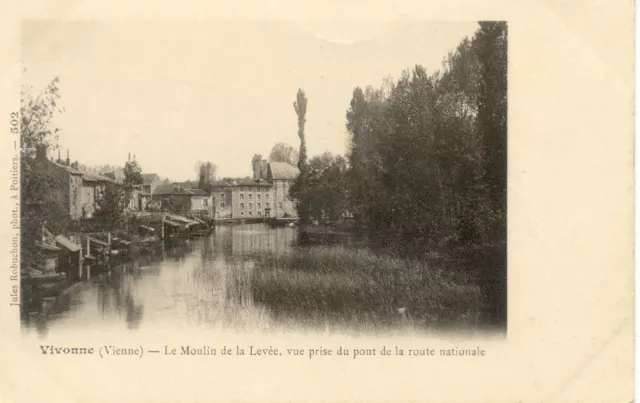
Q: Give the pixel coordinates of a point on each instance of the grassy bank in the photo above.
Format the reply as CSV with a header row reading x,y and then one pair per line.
x,y
356,288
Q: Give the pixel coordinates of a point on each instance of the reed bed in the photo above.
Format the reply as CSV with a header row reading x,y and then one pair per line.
x,y
357,288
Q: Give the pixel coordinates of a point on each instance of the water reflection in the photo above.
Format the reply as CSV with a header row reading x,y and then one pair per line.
x,y
179,285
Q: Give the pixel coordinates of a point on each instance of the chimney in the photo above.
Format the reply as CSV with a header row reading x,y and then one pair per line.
x,y
68,160
129,158
59,161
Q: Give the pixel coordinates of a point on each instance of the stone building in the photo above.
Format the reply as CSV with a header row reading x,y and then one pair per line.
x,y
176,199
264,195
77,192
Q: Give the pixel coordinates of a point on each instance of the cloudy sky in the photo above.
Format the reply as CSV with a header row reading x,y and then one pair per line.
x,y
178,93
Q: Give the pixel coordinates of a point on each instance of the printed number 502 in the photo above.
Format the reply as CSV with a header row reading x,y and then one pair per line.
x,y
14,122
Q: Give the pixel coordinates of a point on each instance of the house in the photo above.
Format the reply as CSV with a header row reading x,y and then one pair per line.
x,y
201,202
69,257
282,175
150,182
47,258
264,195
78,193
138,198
242,198
176,199
222,194
93,191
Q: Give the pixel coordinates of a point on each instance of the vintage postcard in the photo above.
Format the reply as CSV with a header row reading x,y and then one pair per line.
x,y
318,202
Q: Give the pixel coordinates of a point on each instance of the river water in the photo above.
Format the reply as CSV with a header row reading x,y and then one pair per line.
x,y
180,286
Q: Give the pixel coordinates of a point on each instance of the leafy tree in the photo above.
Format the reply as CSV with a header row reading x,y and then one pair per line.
x,y
300,106
41,205
427,155
327,187
206,175
282,152
132,173
113,202
491,48
132,179
299,189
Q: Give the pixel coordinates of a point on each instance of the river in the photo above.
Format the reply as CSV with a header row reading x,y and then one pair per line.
x,y
180,286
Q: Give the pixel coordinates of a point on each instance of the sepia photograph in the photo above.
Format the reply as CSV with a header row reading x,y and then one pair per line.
x,y
317,201
253,176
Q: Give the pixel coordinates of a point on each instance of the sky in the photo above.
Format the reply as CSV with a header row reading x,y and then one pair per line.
x,y
175,93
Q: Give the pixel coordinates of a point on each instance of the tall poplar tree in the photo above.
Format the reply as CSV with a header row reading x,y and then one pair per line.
x,y
300,186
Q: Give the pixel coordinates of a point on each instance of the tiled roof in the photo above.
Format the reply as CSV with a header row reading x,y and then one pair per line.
x,y
171,190
67,243
282,170
231,182
71,170
89,177
252,182
174,189
222,183
186,185
47,247
198,192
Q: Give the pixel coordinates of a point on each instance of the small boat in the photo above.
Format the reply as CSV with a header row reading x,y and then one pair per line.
x,y
283,222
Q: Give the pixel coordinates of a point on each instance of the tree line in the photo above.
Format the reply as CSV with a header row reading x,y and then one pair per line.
x,y
427,154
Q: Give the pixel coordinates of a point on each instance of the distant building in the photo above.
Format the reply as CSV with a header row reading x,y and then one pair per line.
x,y
282,175
176,199
150,182
264,195
78,192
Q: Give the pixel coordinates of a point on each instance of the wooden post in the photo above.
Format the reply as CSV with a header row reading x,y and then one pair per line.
x,y
80,263
162,228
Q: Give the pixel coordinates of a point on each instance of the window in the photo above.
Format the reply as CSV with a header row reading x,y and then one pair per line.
x,y
259,206
241,196
279,204
242,213
250,205
250,213
221,205
242,206
250,196
205,202
222,196
266,204
258,196
266,196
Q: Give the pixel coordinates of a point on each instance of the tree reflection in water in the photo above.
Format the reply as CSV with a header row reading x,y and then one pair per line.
x,y
201,283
